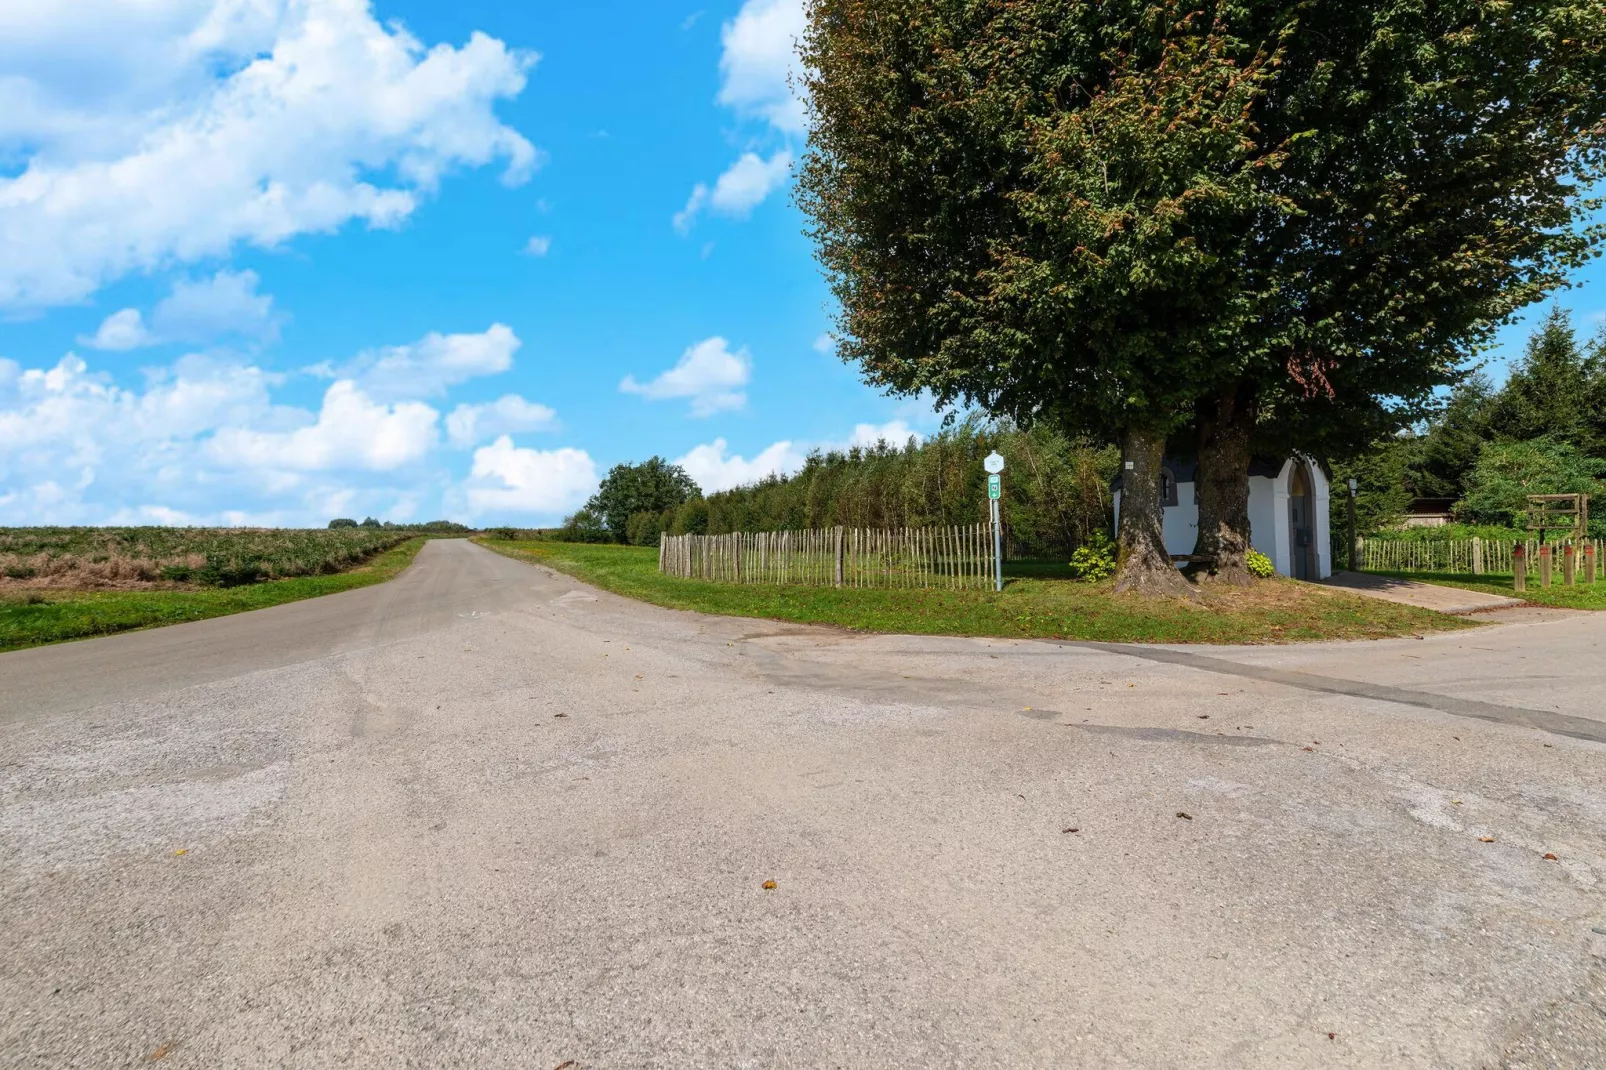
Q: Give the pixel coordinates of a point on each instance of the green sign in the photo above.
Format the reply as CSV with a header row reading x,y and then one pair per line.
x,y
995,487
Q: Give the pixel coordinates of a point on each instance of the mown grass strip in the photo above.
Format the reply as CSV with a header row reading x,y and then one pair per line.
x,y
1040,601
66,615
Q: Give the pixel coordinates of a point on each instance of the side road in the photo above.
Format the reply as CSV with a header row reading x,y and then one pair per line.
x,y
485,815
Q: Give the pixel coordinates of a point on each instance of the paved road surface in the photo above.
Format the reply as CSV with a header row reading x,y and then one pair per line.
x,y
483,816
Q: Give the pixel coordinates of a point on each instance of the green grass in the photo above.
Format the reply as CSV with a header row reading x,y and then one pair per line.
x,y
1581,596
1039,601
36,617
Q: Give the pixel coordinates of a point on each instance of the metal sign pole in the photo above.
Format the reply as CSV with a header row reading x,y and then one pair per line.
x,y
994,465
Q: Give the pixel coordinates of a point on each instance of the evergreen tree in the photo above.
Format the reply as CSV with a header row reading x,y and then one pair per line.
x,y
1548,393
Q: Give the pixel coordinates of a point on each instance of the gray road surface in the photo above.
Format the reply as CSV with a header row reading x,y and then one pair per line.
x,y
483,816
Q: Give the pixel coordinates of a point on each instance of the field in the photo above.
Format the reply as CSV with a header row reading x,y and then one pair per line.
x,y
131,558
1039,601
35,616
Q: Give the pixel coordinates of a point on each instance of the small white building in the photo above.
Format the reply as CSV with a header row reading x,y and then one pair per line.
x,y
1288,513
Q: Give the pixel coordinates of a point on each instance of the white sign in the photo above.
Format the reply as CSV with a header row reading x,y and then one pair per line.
x,y
994,463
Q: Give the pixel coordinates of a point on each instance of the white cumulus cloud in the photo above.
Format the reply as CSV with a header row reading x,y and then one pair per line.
x,y
760,63
223,305
715,469
430,365
708,373
507,479
352,431
468,425
758,67
540,245
170,131
742,188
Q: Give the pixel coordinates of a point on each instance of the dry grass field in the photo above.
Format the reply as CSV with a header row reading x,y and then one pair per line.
x,y
134,558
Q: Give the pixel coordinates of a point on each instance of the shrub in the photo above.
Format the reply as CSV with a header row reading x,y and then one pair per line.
x,y
342,522
507,534
1095,559
644,528
1259,565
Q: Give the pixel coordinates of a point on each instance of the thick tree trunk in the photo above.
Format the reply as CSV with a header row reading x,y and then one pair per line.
x,y
1144,564
1226,425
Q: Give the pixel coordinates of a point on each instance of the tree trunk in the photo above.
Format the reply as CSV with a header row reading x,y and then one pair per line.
x,y
1144,564
1226,425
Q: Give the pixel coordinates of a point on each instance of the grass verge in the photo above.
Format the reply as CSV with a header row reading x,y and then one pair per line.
x,y
1040,601
1582,596
37,617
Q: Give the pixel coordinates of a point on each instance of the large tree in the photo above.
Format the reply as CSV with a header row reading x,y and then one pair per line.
x,y
1040,209
652,486
1438,155
1235,220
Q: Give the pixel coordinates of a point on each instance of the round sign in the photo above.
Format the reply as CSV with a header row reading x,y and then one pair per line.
x,y
994,463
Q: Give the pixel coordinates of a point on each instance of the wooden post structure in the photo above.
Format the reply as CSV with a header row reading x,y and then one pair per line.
x,y
1477,556
1569,565
839,557
1589,563
1544,564
1519,566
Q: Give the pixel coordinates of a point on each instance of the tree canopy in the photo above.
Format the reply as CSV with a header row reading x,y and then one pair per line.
x,y
651,486
1292,220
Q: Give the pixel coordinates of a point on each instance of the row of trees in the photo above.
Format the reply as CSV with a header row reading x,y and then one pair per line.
x,y
1059,491
1542,432
1245,224
435,526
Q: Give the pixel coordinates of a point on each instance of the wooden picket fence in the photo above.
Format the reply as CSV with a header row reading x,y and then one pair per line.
x,y
953,557
1474,556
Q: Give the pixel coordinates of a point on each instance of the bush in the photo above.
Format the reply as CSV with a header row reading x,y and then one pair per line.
x,y
644,527
507,534
1259,565
1507,472
342,522
1094,560
584,526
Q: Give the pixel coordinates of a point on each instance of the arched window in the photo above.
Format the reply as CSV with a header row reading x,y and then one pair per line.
x,y
1168,488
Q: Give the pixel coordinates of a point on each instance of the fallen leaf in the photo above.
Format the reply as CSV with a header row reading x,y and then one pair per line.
x,y
1063,831
160,1053
564,1065
560,715
181,851
1485,839
1551,858
1311,749
1455,802
1184,815
1332,1036
1204,717
770,886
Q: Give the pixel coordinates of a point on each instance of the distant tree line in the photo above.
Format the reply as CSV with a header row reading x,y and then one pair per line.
x,y
1057,492
1542,432
437,526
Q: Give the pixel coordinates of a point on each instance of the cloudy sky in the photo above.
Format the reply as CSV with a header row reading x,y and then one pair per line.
x,y
276,261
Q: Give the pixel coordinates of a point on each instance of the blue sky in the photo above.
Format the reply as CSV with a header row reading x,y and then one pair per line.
x,y
273,261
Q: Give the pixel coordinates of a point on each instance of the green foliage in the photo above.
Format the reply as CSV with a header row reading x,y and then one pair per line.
x,y
584,526
1549,393
1095,559
342,522
370,522
643,528
1507,472
652,486
1452,532
1056,491
1259,565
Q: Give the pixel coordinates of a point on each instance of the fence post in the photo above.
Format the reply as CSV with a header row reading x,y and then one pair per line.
x,y
839,557
1519,566
1589,563
1477,556
1544,565
1359,555
1569,565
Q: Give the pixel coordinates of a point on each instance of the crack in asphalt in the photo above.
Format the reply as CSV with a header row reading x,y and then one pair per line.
x,y
1561,724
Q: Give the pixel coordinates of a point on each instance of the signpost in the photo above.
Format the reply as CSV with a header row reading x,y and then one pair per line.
x,y
994,464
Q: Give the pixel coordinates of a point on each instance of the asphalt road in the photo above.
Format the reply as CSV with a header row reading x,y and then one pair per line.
x,y
483,816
